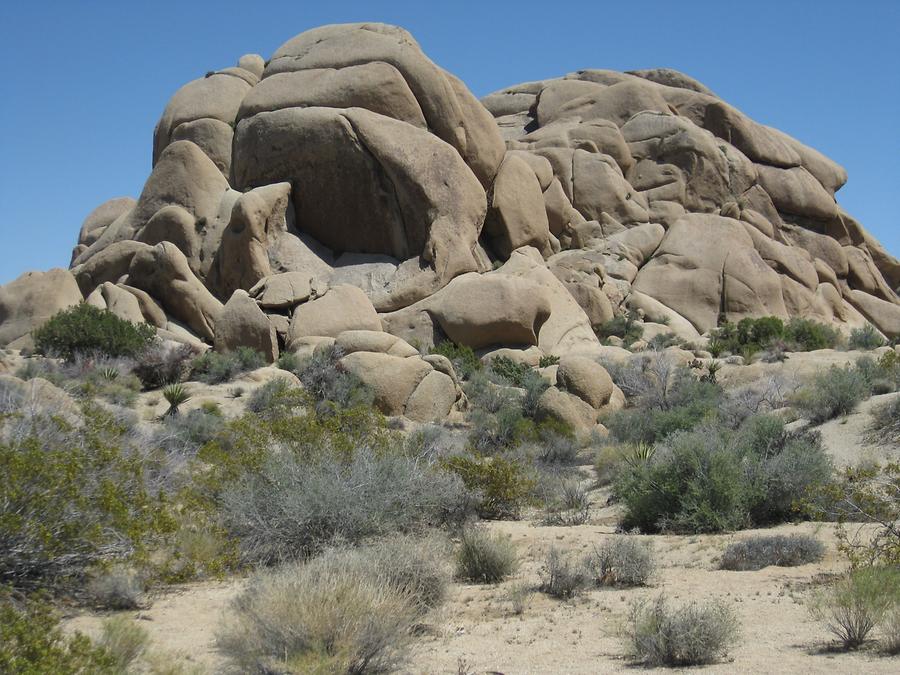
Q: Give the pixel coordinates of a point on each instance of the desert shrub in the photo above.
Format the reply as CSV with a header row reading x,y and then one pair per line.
x,y
72,498
610,459
661,341
330,386
292,507
85,329
621,561
290,362
556,443
712,479
161,364
807,335
755,553
857,603
277,397
866,337
547,361
215,367
116,588
509,371
866,494
563,576
185,434
890,628
566,502
517,595
335,613
417,566
665,396
485,558
503,486
885,424
32,643
124,640
834,392
47,369
462,357
660,634
624,326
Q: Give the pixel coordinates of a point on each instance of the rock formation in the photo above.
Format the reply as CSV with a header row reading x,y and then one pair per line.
x,y
348,188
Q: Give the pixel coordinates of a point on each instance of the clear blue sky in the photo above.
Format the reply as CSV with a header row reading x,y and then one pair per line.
x,y
85,81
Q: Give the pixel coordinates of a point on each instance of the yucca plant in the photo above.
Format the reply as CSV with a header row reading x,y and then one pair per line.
x,y
176,395
109,373
640,453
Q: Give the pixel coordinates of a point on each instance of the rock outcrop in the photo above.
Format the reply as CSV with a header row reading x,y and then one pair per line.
x,y
350,189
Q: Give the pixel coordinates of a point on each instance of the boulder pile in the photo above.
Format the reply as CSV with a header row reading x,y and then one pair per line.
x,y
348,189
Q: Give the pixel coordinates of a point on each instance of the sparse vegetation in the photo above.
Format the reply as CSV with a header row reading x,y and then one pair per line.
x,y
751,336
216,367
335,613
502,485
562,576
696,633
852,607
176,395
84,329
566,502
621,561
625,327
832,393
485,558
755,553
464,361
864,338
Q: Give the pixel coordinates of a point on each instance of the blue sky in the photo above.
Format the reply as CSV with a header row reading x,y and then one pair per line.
x,y
84,82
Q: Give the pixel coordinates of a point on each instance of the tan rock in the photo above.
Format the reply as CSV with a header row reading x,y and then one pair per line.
x,y
242,323
32,298
567,408
586,379
342,308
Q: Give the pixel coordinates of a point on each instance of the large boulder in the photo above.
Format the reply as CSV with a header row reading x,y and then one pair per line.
x,y
342,308
31,299
585,378
242,323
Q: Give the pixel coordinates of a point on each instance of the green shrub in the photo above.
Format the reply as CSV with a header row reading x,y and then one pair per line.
x,y
621,561
337,613
84,329
485,558
692,634
755,553
562,576
712,479
866,494
808,335
417,566
503,485
890,628
216,367
32,643
72,498
547,361
865,338
832,393
624,326
857,603
462,357
509,371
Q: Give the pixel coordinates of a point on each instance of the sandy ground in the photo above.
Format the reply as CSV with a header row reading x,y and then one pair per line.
x,y
477,630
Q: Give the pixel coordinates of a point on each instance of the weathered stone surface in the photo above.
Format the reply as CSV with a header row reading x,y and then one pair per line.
x,y
241,323
31,299
585,378
568,408
282,291
163,272
392,379
517,216
342,308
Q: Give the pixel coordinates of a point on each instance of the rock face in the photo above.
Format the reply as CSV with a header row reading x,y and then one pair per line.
x,y
350,189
